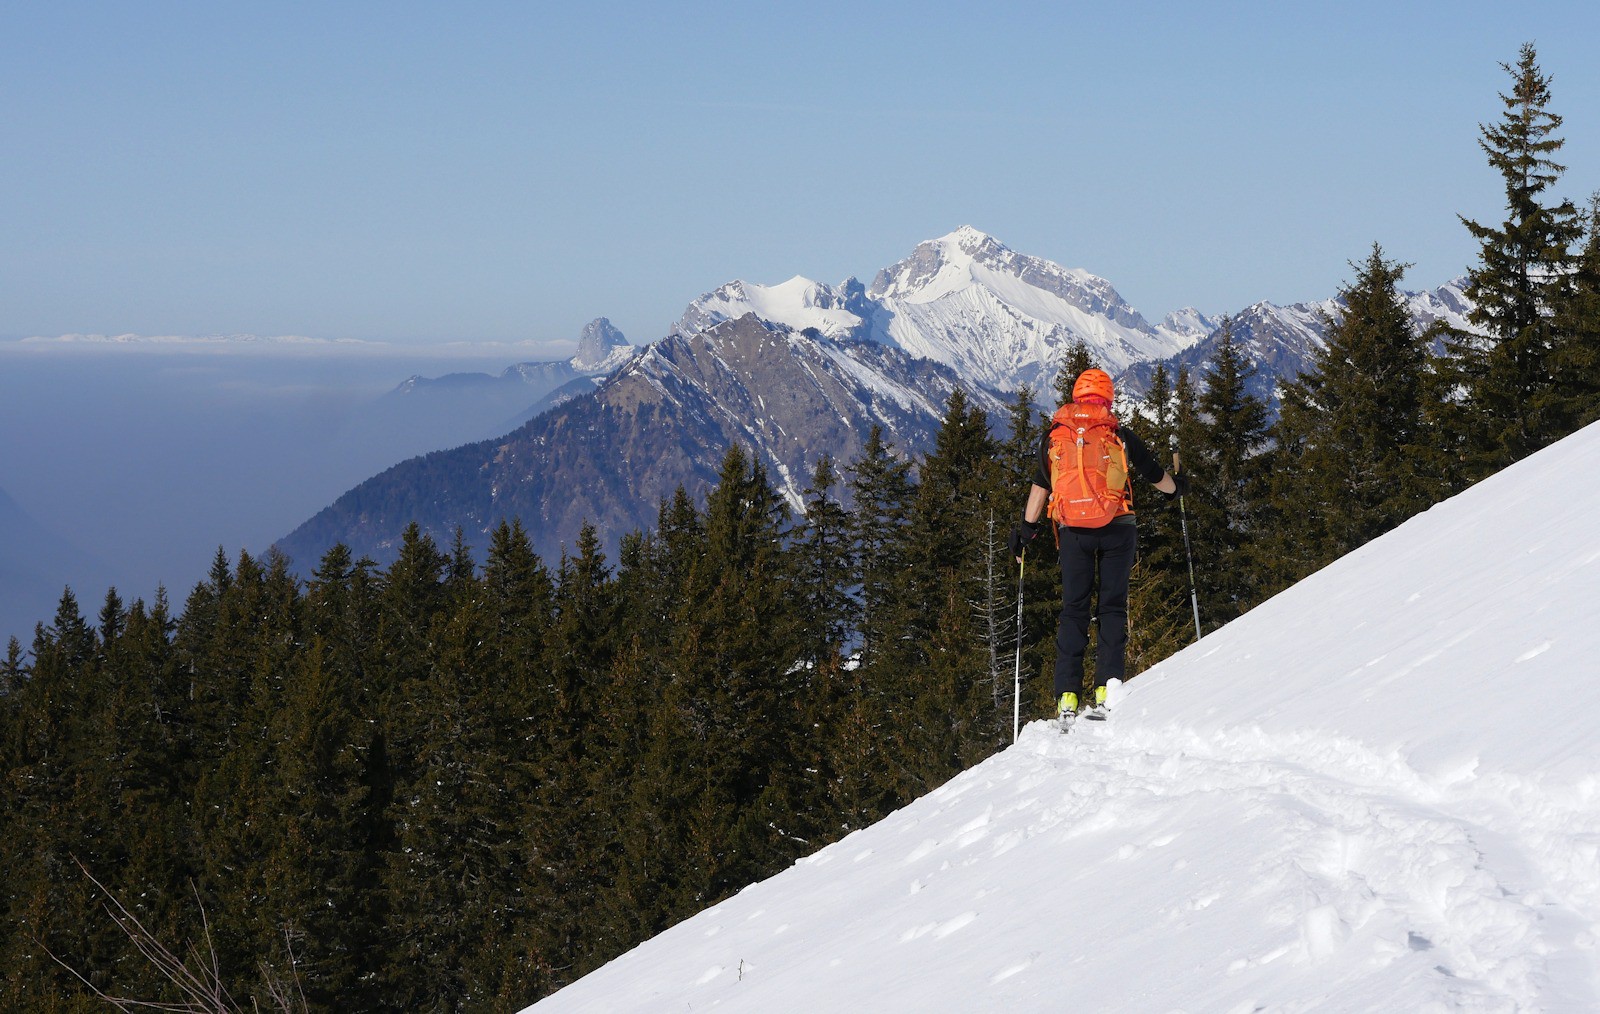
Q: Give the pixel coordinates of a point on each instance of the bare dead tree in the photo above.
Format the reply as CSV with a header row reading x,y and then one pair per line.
x,y
197,976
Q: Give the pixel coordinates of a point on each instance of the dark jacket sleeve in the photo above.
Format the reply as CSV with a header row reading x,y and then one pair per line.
x,y
1041,477
1143,463
1140,458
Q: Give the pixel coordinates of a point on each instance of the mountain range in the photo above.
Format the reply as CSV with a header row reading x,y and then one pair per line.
x,y
663,419
792,371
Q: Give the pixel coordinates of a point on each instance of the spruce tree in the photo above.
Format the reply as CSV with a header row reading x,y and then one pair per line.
x,y
1229,431
1574,398
49,755
238,815
1023,429
13,669
1350,427
1077,359
739,684
825,569
514,692
564,835
881,490
1520,284
1159,620
939,652
958,478
320,874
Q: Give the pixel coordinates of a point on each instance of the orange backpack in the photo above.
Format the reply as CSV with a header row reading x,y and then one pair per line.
x,y
1088,467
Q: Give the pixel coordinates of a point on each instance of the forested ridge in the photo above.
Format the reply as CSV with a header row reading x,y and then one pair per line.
x,y
442,785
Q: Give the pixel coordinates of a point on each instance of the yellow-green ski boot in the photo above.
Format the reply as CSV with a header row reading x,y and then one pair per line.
x,y
1067,710
1098,712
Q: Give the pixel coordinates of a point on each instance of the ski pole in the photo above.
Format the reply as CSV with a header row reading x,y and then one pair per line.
x,y
1183,521
1016,696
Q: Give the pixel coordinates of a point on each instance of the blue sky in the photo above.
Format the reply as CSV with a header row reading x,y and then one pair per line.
x,y
508,171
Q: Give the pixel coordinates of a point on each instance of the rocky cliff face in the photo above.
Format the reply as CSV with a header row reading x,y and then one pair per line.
x,y
601,348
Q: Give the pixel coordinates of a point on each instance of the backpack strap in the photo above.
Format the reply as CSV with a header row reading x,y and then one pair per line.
x,y
1083,474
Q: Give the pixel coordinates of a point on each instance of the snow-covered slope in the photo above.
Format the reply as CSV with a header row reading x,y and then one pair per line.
x,y
1378,791
799,303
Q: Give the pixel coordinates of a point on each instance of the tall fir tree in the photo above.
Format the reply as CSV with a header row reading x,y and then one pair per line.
x,y
824,567
881,489
1574,398
1037,575
940,652
1158,597
1348,466
1024,429
1229,431
1520,285
738,682
1078,358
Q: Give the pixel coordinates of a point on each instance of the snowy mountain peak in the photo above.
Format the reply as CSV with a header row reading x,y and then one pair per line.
x,y
1003,318
974,244
938,266
967,256
1189,322
970,239
999,318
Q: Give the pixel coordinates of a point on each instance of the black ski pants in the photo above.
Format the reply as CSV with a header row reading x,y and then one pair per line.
x,y
1094,558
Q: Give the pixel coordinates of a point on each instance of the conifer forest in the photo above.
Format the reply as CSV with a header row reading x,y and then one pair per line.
x,y
458,785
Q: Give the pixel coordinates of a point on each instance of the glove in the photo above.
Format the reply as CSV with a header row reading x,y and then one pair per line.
x,y
1181,481
1022,533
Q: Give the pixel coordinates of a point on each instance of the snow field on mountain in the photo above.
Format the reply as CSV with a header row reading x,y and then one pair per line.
x,y
1378,791
991,324
799,302
982,332
908,399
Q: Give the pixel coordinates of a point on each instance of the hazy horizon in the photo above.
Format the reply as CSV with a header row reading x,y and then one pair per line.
x,y
146,459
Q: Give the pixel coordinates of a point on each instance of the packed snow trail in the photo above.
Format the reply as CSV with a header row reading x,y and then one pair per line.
x,y
1378,791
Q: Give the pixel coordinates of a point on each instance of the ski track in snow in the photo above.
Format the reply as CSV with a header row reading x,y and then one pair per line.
x,y
1488,875
1367,885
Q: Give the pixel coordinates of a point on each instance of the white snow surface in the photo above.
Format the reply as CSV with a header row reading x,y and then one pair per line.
x,y
1379,790
800,303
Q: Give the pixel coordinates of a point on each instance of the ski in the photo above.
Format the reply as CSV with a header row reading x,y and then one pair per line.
x,y
1066,721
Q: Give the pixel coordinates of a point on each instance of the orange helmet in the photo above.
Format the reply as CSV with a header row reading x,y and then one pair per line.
x,y
1093,383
